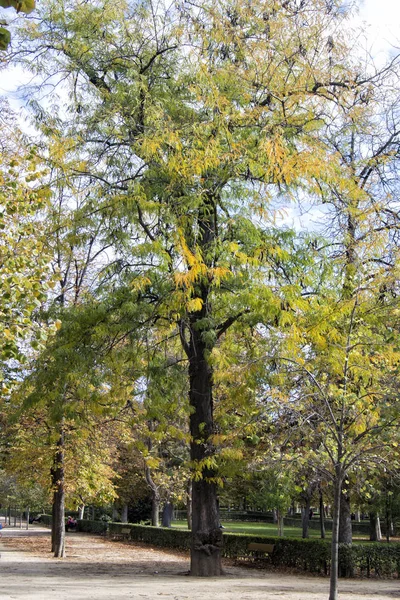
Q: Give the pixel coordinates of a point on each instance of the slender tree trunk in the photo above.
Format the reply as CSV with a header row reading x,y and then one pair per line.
x,y
378,528
280,518
58,512
167,514
375,534
189,504
306,516
321,514
333,590
27,518
115,513
388,517
124,513
155,498
81,512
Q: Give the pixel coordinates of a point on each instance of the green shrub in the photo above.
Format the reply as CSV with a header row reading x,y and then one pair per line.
x,y
162,537
312,555
379,559
92,526
45,520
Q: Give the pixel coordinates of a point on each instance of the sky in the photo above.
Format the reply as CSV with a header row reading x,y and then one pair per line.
x,y
382,18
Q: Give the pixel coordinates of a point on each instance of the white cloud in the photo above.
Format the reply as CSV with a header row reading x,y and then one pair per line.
x,y
382,18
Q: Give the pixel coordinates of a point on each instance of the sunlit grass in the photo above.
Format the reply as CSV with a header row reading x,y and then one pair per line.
x,y
267,529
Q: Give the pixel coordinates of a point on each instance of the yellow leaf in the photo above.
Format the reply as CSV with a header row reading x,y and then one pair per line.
x,y
195,304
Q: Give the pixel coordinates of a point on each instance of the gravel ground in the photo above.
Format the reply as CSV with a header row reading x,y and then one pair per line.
x,y
96,568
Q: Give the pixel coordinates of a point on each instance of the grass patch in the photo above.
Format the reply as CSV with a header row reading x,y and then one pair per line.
x,y
266,529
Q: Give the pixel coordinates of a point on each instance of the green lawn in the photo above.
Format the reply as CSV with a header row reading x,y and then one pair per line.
x,y
268,529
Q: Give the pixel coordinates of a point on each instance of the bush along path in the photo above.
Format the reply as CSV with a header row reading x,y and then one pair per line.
x,y
311,555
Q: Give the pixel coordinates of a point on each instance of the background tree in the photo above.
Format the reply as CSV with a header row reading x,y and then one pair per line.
x,y
24,261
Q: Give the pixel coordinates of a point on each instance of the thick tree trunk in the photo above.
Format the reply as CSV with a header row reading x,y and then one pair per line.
x,y
198,334
206,532
124,513
345,532
167,513
333,590
58,511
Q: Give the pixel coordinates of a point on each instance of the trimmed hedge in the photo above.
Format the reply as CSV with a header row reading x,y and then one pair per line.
x,y
45,520
100,527
163,537
312,555
379,559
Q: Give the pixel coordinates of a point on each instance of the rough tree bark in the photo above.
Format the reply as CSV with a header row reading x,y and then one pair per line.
x,y
58,509
207,535
345,531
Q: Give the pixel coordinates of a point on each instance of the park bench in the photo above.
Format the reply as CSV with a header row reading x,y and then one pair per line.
x,y
122,534
259,549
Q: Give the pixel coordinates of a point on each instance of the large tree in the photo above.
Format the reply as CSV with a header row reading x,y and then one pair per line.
x,y
190,120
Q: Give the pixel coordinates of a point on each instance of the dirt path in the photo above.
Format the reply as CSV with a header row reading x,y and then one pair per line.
x,y
99,569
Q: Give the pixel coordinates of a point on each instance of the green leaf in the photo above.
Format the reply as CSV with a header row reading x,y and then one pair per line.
x,y
5,38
